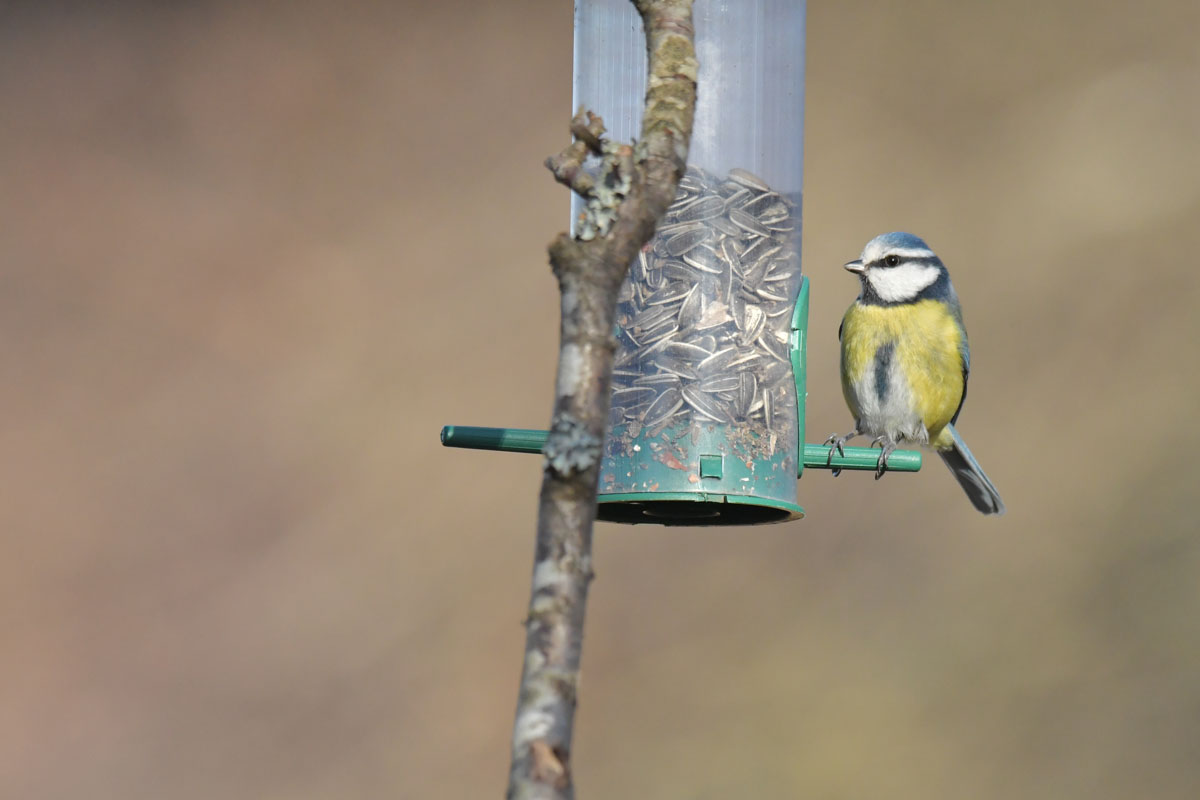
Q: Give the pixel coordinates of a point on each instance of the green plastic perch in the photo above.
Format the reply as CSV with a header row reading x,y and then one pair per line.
x,y
520,440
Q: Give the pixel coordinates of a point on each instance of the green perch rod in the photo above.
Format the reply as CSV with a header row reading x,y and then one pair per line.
x,y
519,440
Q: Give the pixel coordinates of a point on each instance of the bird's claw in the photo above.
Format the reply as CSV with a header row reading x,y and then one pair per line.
x,y
886,447
835,444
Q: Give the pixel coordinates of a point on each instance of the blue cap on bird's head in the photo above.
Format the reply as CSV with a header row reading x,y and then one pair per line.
x,y
899,239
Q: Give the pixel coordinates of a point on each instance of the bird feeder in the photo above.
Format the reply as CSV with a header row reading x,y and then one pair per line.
x,y
707,415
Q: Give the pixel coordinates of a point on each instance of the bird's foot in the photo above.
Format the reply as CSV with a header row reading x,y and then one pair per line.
x,y
834,443
886,446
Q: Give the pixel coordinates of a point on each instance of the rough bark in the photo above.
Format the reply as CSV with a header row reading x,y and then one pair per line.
x,y
635,185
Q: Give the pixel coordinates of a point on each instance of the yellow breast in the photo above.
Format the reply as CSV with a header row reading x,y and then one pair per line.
x,y
926,340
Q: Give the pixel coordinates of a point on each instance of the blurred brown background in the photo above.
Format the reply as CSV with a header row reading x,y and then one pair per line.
x,y
253,256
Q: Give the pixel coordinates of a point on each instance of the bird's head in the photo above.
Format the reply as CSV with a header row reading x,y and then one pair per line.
x,y
898,268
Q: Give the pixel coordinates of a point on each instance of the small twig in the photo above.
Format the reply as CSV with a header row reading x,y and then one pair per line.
x,y
588,128
632,191
567,166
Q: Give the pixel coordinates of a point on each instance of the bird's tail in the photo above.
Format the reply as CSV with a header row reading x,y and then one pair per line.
x,y
970,476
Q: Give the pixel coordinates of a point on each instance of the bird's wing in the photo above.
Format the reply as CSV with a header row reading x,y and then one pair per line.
x,y
964,353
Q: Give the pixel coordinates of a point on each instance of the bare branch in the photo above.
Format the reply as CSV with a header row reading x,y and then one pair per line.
x,y
636,184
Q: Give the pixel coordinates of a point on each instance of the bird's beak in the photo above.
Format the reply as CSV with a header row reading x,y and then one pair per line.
x,y
855,266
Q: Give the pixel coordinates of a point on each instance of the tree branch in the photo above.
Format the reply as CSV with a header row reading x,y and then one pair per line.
x,y
635,186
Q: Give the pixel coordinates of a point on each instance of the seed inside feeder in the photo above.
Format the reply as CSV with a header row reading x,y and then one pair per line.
x,y
703,330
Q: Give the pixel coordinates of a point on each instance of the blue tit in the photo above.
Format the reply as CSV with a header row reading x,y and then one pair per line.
x,y
905,359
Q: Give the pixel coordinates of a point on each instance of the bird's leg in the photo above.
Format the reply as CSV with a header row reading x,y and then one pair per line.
x,y
834,443
886,446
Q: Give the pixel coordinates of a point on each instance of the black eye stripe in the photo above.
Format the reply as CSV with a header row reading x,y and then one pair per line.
x,y
897,261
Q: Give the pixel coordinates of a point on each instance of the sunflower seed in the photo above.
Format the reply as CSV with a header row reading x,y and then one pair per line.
x,y
752,325
748,221
768,293
723,225
706,261
720,383
633,396
669,294
772,345
718,361
661,409
691,309
704,404
701,208
749,179
687,352
659,381
681,243
747,389
653,315
670,229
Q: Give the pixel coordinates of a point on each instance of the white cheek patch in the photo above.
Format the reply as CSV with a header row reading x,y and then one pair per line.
x,y
897,284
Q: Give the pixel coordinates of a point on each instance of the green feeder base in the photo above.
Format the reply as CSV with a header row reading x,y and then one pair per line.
x,y
693,509
687,508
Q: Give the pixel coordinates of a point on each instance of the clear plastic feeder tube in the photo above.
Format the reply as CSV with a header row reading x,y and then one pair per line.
x,y
704,397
